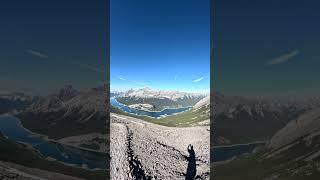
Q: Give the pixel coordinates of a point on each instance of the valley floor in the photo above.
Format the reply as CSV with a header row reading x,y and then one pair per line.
x,y
144,150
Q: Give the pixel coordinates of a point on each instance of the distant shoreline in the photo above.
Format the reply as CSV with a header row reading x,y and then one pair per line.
x,y
235,156
149,110
240,144
156,118
46,138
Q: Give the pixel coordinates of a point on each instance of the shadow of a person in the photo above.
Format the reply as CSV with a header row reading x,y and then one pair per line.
x,y
191,169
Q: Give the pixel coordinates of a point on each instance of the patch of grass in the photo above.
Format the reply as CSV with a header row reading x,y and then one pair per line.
x,y
184,119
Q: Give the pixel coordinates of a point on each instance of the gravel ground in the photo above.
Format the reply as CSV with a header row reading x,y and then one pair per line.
x,y
142,150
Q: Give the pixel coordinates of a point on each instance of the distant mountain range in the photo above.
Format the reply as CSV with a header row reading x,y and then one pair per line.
x,y
68,112
241,120
15,102
159,99
115,93
160,94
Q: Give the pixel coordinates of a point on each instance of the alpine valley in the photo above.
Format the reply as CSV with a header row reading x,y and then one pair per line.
x,y
150,128
278,138
62,135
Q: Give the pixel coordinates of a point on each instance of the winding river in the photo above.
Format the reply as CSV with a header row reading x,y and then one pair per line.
x,y
10,127
225,153
154,114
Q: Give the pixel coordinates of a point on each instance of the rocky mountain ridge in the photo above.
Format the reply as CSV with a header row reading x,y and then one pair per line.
x,y
160,94
15,102
68,113
241,120
159,99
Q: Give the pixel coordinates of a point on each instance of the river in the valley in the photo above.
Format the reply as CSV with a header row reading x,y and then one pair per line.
x,y
154,114
10,127
224,153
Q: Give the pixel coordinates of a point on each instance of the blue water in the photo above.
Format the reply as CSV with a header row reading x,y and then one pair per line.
x,y
154,114
228,152
10,127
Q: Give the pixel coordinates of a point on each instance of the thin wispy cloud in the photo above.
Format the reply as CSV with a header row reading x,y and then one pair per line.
x,y
198,79
121,78
88,67
132,81
75,63
284,58
37,53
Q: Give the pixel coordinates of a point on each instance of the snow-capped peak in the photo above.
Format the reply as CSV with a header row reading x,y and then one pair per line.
x,y
150,93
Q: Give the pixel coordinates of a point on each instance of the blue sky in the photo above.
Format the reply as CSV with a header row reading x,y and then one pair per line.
x,y
47,44
267,48
260,47
162,44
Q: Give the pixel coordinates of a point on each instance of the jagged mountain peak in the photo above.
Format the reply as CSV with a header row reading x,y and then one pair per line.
x,y
69,98
147,92
67,93
147,88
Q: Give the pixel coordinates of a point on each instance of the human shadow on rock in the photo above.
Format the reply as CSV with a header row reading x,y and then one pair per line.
x,y
191,169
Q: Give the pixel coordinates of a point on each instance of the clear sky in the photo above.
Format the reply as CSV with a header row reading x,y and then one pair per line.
x,y
46,44
261,47
268,47
162,44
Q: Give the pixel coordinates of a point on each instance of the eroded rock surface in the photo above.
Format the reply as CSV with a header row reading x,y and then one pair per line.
x,y
142,150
